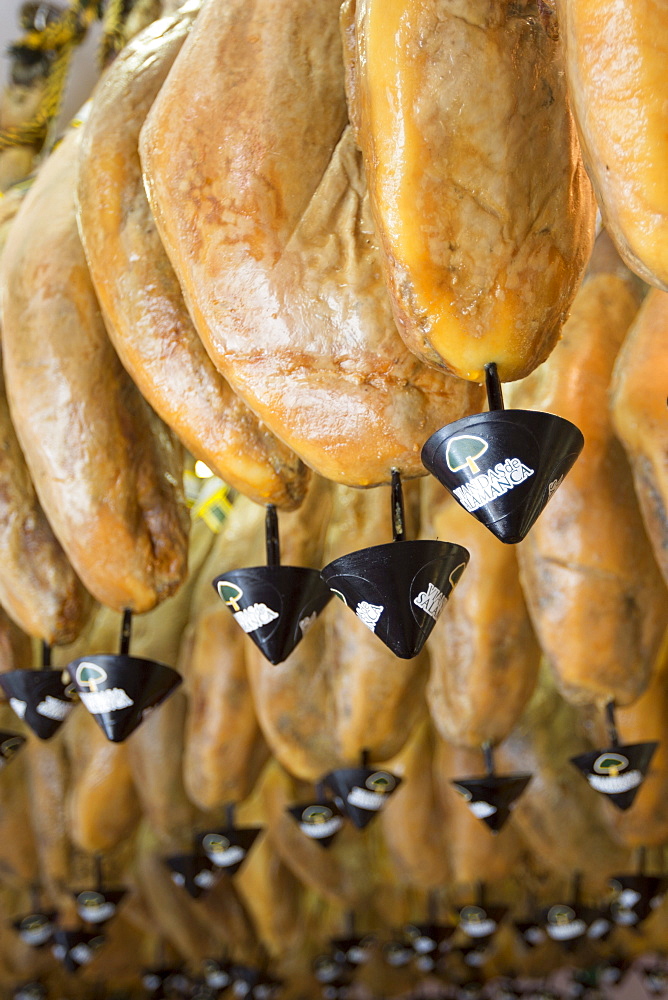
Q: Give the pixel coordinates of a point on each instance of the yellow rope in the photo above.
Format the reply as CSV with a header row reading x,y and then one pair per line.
x,y
60,37
113,38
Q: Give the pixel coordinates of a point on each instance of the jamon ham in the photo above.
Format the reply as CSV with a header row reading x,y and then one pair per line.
x,y
595,595
479,196
224,749
616,69
140,298
15,646
106,471
639,415
484,670
38,586
258,193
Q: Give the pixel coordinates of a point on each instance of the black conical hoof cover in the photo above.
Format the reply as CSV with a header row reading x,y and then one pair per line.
x,y
217,973
30,991
397,954
428,938
244,979
504,466
274,605
163,981
353,950
567,923
637,898
193,872
361,792
475,956
617,772
492,798
119,690
228,848
36,929
531,933
98,906
319,821
38,697
10,744
399,589
481,922
74,949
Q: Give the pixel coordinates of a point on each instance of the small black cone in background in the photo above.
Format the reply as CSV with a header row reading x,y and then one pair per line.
x,y
398,589
192,872
98,906
244,980
637,895
530,932
505,465
491,798
38,697
165,981
10,744
655,979
228,847
33,990
217,973
481,922
320,820
118,689
568,923
36,929
361,792
428,938
618,771
275,605
74,949
354,950
397,954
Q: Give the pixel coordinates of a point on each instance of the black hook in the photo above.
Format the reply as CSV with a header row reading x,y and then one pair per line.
x,y
365,758
612,727
271,532
493,386
126,632
398,521
46,656
230,810
488,754
99,880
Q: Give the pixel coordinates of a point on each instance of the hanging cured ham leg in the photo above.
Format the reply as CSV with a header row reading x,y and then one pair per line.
x,y
616,62
107,472
138,292
640,417
479,196
258,192
596,598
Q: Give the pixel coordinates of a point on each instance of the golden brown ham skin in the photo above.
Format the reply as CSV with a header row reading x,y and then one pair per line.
x,y
479,196
484,669
106,471
616,68
638,397
596,597
38,587
139,294
259,196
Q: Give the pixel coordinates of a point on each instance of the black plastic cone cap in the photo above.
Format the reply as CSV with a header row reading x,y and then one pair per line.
x,y
531,932
74,949
98,906
361,792
566,923
244,979
319,821
10,744
397,953
274,605
119,690
428,938
355,950
193,872
399,589
38,697
217,973
165,981
617,772
493,797
637,897
481,922
36,929
228,848
504,466
30,991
